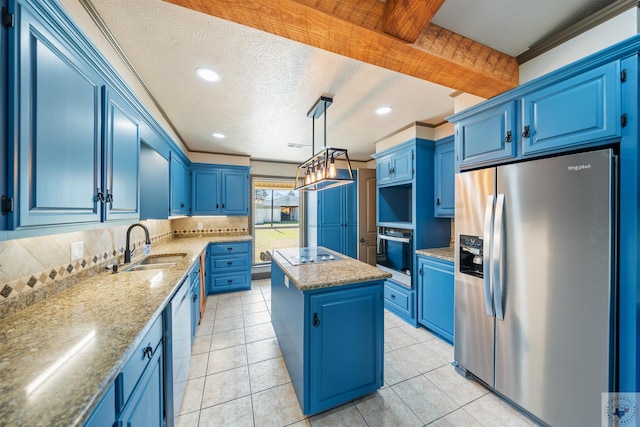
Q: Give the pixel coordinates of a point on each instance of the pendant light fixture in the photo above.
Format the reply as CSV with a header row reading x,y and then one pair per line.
x,y
320,171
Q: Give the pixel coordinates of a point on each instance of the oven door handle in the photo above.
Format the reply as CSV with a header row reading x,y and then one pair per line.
x,y
394,238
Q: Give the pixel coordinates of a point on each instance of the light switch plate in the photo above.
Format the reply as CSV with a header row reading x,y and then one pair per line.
x,y
77,251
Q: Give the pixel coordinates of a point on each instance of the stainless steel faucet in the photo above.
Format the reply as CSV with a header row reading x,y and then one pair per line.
x,y
128,252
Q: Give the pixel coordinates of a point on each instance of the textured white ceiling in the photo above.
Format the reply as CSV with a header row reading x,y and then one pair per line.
x,y
269,83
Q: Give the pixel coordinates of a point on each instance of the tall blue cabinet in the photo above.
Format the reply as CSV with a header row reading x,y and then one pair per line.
x,y
338,219
405,200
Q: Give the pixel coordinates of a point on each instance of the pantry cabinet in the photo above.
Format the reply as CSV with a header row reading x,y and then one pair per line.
x,y
338,219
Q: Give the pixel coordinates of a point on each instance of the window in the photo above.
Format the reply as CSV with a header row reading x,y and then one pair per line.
x,y
276,216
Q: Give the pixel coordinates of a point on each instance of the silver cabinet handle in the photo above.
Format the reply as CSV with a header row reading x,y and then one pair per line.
x,y
486,259
497,270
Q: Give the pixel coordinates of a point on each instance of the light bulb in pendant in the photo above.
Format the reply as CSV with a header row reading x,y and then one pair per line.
x,y
332,168
307,179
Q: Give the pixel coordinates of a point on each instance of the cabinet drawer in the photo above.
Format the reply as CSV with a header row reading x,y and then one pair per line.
x,y
227,280
137,363
224,263
230,248
397,298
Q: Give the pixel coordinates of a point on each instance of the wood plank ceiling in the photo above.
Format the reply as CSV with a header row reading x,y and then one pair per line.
x,y
396,35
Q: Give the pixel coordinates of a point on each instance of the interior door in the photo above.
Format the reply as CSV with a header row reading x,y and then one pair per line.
x,y
367,216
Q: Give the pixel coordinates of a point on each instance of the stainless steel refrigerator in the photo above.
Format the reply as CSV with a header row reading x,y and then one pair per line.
x,y
534,283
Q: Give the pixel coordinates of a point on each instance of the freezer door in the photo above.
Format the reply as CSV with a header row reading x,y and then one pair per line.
x,y
473,319
553,346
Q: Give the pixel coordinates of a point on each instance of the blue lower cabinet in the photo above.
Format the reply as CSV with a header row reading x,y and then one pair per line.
x,y
331,339
436,296
145,406
139,387
195,302
105,413
228,267
400,300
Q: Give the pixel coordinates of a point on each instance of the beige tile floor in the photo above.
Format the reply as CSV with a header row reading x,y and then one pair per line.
x,y
238,377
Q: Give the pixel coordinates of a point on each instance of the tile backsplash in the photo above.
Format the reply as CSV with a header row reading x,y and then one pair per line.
x,y
31,268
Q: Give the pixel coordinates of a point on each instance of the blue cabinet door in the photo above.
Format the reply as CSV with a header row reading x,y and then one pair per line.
x,y
179,182
436,296
338,219
58,114
235,193
487,137
403,166
154,184
444,179
206,192
105,413
121,158
384,166
145,406
346,345
330,219
578,110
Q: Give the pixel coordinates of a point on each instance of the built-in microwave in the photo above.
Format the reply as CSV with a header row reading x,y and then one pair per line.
x,y
395,253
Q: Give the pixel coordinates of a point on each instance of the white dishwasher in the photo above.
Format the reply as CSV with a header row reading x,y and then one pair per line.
x,y
180,342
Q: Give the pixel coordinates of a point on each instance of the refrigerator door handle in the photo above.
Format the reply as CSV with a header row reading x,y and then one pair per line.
x,y
497,269
486,259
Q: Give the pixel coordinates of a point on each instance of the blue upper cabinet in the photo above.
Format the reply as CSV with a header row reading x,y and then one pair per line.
x,y
220,190
487,137
154,184
57,113
395,168
206,191
580,109
180,191
121,158
444,178
235,192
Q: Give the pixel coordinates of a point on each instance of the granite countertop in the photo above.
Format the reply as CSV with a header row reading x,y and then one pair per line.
x,y
109,314
445,254
340,272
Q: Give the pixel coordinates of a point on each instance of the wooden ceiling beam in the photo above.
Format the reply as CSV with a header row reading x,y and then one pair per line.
x,y
438,56
405,19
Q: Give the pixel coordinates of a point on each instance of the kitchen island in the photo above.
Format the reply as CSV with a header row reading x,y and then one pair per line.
x,y
327,311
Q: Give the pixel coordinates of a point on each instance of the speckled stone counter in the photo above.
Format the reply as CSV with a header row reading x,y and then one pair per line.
x,y
445,254
327,274
109,314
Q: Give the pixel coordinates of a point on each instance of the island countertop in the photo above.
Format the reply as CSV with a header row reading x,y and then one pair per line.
x,y
342,271
108,314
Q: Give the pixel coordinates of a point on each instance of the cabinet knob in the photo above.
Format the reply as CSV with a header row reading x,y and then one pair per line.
x,y
223,206
438,201
393,296
217,206
229,263
109,197
229,248
527,132
316,321
100,196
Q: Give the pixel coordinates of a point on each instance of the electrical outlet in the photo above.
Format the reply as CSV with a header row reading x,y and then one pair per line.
x,y
77,251
199,226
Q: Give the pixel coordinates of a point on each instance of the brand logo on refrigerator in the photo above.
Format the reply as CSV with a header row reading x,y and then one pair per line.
x,y
578,168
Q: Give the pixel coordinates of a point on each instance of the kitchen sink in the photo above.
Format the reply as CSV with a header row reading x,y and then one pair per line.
x,y
155,262
162,259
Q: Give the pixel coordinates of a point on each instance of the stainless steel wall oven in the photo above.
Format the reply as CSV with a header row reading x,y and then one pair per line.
x,y
395,253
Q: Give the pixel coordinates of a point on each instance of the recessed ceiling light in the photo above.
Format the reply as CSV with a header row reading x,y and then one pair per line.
x,y
218,135
207,74
383,110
